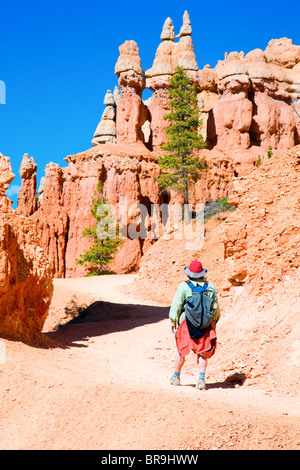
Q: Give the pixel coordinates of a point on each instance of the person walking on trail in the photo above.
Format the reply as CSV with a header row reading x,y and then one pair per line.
x,y
194,314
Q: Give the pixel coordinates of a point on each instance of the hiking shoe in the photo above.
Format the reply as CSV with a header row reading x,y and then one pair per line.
x,y
175,380
200,384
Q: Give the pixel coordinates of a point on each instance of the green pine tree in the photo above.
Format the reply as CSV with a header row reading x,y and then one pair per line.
x,y
180,167
103,234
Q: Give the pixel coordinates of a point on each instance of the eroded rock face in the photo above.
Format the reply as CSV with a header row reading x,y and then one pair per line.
x,y
283,52
25,272
129,178
27,199
262,237
65,209
131,111
233,115
256,94
245,101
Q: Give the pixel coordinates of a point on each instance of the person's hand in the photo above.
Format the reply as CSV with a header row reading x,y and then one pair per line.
x,y
173,329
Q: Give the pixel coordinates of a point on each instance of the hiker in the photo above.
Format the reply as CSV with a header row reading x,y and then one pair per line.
x,y
194,327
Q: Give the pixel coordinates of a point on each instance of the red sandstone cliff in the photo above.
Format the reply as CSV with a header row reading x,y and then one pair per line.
x,y
248,102
25,272
64,206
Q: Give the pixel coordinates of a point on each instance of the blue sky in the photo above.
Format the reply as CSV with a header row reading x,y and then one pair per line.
x,y
57,60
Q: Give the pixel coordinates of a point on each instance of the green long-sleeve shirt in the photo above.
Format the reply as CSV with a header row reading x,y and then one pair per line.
x,y
183,291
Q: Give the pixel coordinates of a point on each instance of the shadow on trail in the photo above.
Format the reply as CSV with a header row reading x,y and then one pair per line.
x,y
213,385
102,318
221,385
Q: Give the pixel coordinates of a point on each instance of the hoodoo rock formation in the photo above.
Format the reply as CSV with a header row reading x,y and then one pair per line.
x,y
168,56
247,100
106,130
131,110
248,103
256,96
27,199
25,272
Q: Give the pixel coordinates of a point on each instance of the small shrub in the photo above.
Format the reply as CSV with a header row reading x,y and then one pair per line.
x,y
259,160
215,207
270,152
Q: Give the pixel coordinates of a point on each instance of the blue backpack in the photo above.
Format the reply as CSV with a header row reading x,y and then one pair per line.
x,y
198,310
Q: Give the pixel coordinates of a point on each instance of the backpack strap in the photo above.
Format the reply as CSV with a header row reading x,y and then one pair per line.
x,y
204,288
213,291
193,288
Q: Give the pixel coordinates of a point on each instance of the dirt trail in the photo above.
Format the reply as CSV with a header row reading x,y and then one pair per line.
x,y
106,385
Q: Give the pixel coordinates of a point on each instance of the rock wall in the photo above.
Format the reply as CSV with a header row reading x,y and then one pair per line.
x,y
65,207
129,181
248,103
262,237
25,272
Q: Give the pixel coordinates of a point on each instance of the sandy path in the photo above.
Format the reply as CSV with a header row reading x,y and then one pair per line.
x,y
108,386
